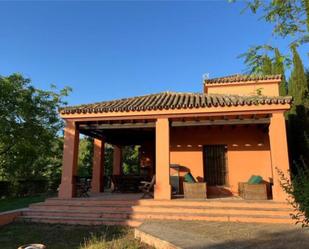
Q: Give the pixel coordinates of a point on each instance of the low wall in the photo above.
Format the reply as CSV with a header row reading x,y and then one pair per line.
x,y
9,216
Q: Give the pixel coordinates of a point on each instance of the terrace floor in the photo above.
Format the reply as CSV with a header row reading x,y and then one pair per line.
x,y
223,235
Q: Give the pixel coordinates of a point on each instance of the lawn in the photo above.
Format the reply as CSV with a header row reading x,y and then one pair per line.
x,y
20,202
56,236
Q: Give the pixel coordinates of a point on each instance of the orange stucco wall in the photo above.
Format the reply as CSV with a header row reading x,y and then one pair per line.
x,y
248,151
266,88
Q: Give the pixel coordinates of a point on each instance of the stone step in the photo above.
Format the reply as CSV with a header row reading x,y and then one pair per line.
x,y
216,203
207,217
81,208
105,206
113,219
73,213
87,201
164,208
80,220
212,210
146,214
95,211
177,202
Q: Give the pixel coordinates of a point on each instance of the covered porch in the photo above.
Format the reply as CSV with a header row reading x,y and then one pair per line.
x,y
172,145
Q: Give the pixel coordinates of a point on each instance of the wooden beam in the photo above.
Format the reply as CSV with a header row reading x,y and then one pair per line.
x,y
91,134
221,122
116,126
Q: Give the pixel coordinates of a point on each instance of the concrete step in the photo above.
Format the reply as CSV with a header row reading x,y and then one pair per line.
x,y
80,220
113,218
96,211
88,208
212,210
176,202
162,210
195,214
216,203
198,216
90,201
74,213
156,205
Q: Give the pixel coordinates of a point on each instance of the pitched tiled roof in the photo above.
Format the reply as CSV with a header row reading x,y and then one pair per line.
x,y
241,78
173,100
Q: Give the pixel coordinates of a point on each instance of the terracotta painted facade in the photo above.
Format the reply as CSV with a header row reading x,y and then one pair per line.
x,y
251,129
243,145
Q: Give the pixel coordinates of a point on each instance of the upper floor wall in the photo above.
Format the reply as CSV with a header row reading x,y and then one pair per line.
x,y
244,85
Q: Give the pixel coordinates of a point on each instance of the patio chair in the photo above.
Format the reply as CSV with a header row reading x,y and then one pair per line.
x,y
147,187
193,189
255,189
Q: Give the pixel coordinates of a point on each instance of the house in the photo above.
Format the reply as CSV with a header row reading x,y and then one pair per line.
x,y
231,131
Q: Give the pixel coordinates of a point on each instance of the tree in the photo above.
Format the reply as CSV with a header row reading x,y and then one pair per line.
x,y
29,128
85,157
256,59
290,19
306,4
267,65
130,157
278,68
298,129
298,86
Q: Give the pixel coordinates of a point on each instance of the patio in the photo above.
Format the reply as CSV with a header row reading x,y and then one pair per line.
x,y
191,143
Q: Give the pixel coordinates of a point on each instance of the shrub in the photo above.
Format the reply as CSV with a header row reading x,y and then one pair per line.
x,y
31,187
298,190
4,189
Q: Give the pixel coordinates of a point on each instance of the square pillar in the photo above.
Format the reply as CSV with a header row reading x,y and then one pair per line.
x,y
70,157
97,183
117,160
279,153
162,189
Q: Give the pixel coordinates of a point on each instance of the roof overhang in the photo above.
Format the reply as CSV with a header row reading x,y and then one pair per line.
x,y
189,112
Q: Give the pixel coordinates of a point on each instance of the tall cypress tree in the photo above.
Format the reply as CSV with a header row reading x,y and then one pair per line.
x,y
298,115
298,86
278,68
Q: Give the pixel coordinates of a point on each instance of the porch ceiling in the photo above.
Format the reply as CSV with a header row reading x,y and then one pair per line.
x,y
122,136
127,132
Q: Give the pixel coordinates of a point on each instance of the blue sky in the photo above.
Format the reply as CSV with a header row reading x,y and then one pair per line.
x,y
106,50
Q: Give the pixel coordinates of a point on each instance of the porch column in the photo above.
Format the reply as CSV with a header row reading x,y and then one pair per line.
x,y
162,189
70,157
279,153
97,184
117,160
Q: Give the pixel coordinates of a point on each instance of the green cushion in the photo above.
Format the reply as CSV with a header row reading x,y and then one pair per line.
x,y
189,178
255,180
251,179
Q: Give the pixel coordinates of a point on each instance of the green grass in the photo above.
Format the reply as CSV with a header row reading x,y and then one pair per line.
x,y
55,236
21,202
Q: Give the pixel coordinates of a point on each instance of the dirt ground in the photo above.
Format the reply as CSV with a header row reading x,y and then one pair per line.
x,y
57,236
228,235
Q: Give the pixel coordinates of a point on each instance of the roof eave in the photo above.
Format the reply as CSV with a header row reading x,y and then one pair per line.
x,y
265,108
